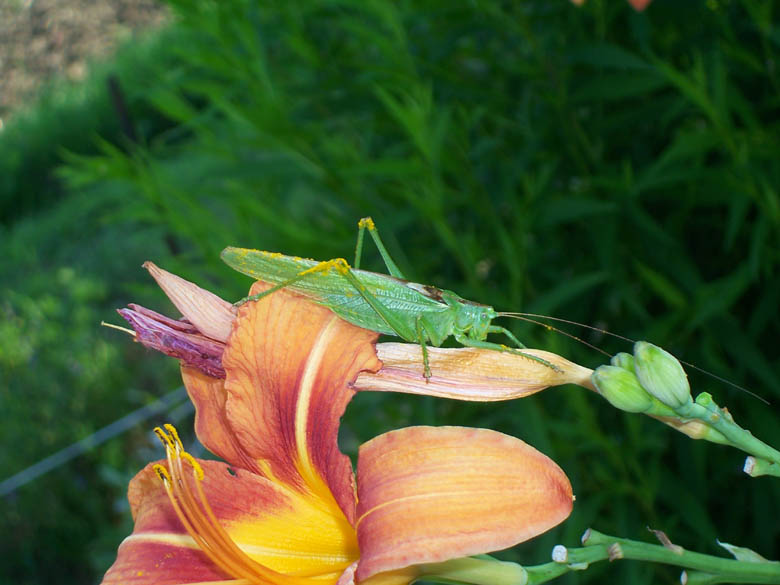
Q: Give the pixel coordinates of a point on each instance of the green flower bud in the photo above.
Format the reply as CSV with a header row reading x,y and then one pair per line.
x,y
661,375
623,360
621,388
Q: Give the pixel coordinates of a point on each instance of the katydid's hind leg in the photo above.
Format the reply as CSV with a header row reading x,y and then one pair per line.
x,y
402,329
508,333
368,224
469,342
359,244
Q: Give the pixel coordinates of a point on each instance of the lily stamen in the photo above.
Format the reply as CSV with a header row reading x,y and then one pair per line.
x,y
199,519
190,515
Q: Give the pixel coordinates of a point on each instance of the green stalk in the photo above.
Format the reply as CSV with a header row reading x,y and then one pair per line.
x,y
705,410
755,467
599,547
700,569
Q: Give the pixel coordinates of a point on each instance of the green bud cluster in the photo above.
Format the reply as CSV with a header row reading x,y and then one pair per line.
x,y
651,381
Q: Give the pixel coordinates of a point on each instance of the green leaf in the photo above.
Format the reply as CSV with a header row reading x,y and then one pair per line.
x,y
569,289
608,56
619,86
572,209
743,554
662,286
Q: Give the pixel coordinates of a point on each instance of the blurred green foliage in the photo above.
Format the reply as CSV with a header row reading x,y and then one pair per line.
x,y
594,164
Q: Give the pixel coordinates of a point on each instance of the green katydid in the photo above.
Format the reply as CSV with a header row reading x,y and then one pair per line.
x,y
388,304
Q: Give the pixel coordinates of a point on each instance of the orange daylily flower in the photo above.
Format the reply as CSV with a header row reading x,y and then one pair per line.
x,y
286,508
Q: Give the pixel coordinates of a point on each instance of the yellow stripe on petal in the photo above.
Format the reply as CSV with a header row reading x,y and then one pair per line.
x,y
306,391
289,366
428,494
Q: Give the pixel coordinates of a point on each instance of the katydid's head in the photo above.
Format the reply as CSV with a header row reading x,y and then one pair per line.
x,y
474,319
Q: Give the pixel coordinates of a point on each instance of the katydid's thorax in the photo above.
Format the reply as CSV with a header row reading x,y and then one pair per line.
x,y
469,318
458,317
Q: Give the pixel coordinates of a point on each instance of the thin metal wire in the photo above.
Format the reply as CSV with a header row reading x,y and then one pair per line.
x,y
167,402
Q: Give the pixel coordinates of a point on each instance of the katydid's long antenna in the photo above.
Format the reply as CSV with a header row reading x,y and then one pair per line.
x,y
530,316
549,327
567,321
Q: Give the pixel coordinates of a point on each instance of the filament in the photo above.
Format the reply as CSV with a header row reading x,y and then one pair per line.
x,y
191,505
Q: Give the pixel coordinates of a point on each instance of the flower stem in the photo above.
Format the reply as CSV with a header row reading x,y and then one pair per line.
x,y
755,467
705,409
700,569
599,547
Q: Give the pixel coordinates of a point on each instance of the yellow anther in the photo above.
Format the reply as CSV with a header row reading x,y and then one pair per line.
x,y
164,438
367,222
162,473
174,435
195,465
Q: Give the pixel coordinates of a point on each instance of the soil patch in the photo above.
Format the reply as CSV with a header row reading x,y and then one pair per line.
x,y
44,39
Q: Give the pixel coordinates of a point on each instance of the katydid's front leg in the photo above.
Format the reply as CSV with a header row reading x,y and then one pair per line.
x,y
421,340
469,342
322,266
368,224
507,332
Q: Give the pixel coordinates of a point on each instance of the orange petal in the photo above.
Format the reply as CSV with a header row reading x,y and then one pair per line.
x,y
428,494
211,315
211,424
468,373
289,365
273,526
